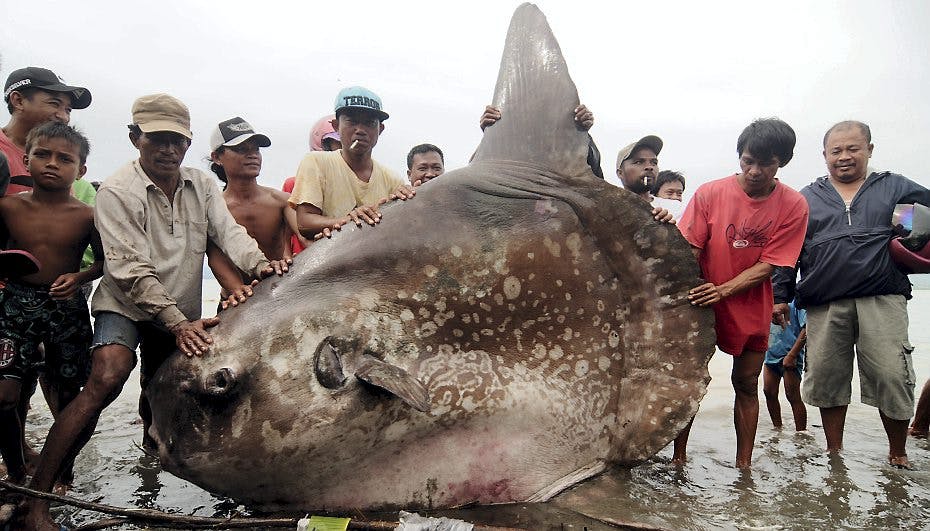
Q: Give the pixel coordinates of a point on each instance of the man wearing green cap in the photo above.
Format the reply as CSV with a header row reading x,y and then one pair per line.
x,y
335,187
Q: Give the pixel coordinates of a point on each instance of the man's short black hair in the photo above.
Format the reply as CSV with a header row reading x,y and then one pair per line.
x,y
217,169
26,92
53,129
766,138
421,149
667,176
849,124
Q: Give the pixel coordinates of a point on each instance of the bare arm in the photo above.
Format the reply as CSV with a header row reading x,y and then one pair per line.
x,y
311,221
290,215
708,294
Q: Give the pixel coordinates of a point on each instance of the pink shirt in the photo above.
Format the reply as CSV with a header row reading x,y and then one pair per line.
x,y
14,157
734,232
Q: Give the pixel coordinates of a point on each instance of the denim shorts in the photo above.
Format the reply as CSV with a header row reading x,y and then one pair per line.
x,y
154,342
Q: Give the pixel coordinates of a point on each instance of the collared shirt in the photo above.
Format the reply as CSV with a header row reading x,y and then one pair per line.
x,y
154,249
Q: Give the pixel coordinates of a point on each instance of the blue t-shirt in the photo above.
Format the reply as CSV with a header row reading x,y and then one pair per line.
x,y
781,341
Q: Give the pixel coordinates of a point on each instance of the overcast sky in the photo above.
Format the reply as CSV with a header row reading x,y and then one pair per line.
x,y
694,73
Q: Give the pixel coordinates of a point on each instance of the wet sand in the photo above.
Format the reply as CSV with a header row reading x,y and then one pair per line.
x,y
793,484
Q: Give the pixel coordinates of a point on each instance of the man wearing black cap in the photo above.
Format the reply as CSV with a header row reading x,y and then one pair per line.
x,y
33,96
333,188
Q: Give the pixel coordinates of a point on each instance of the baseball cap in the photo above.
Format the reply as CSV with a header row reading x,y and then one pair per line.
x,y
650,141
359,98
233,132
322,129
45,79
161,112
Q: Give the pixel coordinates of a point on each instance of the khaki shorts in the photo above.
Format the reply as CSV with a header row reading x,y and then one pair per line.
x,y
877,328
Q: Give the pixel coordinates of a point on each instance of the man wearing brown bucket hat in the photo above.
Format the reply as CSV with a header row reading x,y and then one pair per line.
x,y
154,217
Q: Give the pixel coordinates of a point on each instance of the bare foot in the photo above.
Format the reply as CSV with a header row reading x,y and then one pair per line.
x,y
918,433
679,460
899,461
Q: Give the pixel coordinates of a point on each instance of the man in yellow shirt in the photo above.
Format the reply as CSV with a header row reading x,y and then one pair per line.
x,y
335,187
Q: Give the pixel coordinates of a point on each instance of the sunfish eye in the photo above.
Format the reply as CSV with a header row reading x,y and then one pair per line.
x,y
327,366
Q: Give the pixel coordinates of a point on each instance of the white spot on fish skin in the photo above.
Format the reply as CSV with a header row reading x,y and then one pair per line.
x,y
500,266
556,352
596,321
567,336
485,306
406,315
424,313
539,351
530,255
573,243
614,339
600,305
440,305
558,283
498,299
554,248
560,319
568,296
458,332
603,363
512,287
581,368
427,329
401,294
456,251
430,270
487,332
669,366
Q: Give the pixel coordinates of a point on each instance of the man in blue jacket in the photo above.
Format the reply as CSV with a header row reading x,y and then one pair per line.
x,y
854,294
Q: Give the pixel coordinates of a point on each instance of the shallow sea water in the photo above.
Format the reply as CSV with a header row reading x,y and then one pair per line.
x,y
793,484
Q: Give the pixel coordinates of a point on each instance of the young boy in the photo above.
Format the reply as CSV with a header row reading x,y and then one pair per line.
x,y
237,161
785,357
45,306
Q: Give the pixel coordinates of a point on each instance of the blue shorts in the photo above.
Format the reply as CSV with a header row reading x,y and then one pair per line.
x,y
154,342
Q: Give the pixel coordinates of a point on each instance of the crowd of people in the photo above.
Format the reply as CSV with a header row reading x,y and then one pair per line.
x,y
801,282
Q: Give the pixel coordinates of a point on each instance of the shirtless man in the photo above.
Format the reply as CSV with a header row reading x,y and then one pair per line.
x,y
46,306
237,162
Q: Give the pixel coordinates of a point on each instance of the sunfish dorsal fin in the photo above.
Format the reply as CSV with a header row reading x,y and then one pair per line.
x,y
537,98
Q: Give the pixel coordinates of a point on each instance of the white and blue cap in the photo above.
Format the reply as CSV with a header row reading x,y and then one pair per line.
x,y
359,98
233,132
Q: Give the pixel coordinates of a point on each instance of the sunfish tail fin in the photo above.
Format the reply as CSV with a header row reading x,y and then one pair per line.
x,y
537,99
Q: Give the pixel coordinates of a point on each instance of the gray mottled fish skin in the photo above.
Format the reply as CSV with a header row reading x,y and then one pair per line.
x,y
515,328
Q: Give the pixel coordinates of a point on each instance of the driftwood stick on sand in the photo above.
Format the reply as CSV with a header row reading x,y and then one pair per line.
x,y
178,521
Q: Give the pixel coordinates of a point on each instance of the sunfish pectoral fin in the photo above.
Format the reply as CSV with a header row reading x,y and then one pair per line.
x,y
537,99
394,380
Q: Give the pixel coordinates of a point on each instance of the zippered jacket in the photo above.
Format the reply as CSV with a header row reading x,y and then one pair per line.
x,y
845,253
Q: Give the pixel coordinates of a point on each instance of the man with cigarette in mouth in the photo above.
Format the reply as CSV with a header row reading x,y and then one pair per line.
x,y
333,188
637,168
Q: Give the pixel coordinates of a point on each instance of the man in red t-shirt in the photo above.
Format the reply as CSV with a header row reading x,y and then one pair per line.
x,y
741,227
34,96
